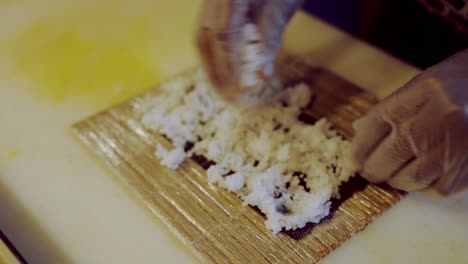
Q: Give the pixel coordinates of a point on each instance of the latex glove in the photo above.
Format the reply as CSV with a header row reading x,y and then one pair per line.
x,y
417,138
219,38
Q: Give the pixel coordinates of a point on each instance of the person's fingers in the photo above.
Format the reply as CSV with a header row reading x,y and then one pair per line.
x,y
443,164
271,21
427,128
370,131
383,118
218,60
455,159
420,173
219,40
222,15
419,131
409,140
207,56
408,101
453,181
387,158
228,62
428,121
410,114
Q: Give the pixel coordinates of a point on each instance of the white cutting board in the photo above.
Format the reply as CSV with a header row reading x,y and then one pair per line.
x,y
63,60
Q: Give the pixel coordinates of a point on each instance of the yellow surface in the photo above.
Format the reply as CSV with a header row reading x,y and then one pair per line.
x,y
63,60
6,256
100,51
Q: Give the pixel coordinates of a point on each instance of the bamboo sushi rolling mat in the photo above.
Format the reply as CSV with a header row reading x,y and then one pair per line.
x,y
211,221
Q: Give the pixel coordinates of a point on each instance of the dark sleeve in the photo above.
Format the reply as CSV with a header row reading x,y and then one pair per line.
x,y
454,12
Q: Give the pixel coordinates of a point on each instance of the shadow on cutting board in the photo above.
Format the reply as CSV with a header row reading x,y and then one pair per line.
x,y
24,233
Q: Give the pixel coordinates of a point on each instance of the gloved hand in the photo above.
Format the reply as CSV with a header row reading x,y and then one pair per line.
x,y
417,138
219,38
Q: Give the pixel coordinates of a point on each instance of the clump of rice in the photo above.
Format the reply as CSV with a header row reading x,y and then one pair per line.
x,y
288,169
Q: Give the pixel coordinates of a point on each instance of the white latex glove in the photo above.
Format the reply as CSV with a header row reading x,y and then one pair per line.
x,y
220,38
417,138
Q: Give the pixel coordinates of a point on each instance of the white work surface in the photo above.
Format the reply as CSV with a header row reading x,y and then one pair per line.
x,y
61,61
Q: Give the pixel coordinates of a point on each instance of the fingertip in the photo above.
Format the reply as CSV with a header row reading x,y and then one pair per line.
x,y
404,185
421,173
229,92
357,124
268,70
357,154
372,176
370,131
202,42
365,175
204,45
359,144
433,193
440,189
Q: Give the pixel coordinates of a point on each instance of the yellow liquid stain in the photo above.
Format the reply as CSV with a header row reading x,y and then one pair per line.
x,y
13,153
9,152
71,66
101,53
